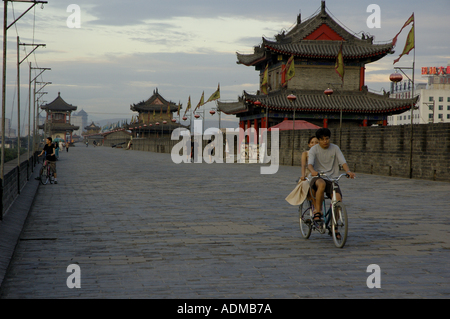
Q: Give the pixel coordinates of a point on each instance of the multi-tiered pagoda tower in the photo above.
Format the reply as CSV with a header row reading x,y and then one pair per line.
x,y
57,123
315,44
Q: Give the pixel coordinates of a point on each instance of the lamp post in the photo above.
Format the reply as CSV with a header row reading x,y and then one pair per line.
x,y
329,92
292,98
396,78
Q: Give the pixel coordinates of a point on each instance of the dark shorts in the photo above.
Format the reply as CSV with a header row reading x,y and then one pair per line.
x,y
328,187
52,166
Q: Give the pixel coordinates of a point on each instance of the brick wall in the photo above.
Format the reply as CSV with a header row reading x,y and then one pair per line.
x,y
384,150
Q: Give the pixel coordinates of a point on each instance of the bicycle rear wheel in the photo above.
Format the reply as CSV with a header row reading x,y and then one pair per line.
x,y
339,227
305,218
43,177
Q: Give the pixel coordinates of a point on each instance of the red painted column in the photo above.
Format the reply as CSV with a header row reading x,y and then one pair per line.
x,y
364,123
361,78
241,134
248,137
325,123
256,131
385,122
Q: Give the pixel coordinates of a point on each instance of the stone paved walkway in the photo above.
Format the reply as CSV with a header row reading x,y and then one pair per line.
x,y
140,226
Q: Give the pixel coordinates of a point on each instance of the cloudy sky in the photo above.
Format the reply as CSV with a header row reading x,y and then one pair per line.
x,y
123,50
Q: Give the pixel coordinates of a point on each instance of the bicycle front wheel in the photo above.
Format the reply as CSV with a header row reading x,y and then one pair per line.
x,y
339,227
43,177
305,218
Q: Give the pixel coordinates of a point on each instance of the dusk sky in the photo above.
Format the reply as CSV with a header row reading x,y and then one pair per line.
x,y
123,50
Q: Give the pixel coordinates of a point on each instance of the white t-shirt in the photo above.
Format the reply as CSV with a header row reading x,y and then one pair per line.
x,y
326,160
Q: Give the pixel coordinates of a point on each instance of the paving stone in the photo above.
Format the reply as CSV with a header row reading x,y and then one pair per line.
x,y
140,226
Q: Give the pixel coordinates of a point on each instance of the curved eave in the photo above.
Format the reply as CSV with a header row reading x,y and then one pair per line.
x,y
231,108
250,59
355,102
328,51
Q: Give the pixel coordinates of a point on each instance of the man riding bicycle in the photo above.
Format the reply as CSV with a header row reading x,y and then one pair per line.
x,y
325,157
49,150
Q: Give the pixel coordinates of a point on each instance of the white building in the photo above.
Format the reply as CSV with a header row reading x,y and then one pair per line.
x,y
434,103
79,119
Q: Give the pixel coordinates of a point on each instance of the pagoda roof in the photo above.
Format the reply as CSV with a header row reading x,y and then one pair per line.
x,y
154,103
59,104
317,101
60,127
92,126
319,37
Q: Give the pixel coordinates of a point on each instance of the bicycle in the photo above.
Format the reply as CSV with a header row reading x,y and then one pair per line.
x,y
45,175
335,219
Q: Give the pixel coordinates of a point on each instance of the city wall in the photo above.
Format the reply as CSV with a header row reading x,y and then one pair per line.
x,y
384,150
15,178
379,150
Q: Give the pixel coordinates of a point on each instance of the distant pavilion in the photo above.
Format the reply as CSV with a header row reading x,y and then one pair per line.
x,y
154,116
57,122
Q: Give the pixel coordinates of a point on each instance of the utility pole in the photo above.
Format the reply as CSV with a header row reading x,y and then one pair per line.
x,y
5,40
19,62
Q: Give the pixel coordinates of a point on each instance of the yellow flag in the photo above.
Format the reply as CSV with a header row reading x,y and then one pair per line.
x,y
168,110
188,107
290,67
264,83
215,95
340,64
201,102
410,20
409,45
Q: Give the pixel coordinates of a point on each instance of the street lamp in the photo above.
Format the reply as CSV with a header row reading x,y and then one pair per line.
x,y
328,92
395,78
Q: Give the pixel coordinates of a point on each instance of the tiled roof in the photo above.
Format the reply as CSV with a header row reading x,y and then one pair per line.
x,y
328,49
58,104
154,103
60,127
298,42
318,102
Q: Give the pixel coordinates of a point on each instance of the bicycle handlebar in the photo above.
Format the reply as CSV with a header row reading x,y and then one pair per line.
x,y
332,179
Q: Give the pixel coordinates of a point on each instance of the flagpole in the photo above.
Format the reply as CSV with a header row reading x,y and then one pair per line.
x,y
412,105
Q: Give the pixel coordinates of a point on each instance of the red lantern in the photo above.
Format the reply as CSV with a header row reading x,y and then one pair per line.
x,y
173,120
150,125
257,103
184,118
157,123
145,125
291,97
196,116
131,128
395,77
328,92
164,122
212,112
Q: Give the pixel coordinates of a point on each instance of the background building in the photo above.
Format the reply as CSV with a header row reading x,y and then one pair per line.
x,y
434,103
79,119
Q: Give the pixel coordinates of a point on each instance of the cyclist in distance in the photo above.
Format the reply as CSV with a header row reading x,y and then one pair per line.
x,y
49,149
325,157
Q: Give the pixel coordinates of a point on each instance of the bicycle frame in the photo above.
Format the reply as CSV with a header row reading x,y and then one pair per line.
x,y
331,209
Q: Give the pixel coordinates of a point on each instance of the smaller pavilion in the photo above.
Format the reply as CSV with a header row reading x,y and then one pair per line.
x,y
57,122
92,129
154,116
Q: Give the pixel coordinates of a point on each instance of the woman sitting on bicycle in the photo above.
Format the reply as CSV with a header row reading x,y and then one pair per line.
x,y
49,150
326,158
